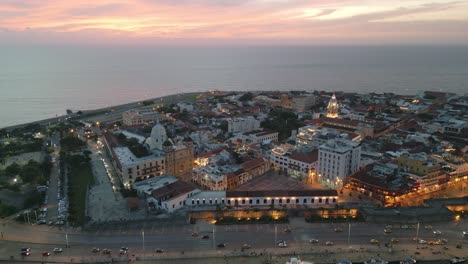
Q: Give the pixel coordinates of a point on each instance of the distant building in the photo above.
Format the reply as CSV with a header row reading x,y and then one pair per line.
x,y
261,136
243,124
333,107
303,103
135,118
338,159
185,107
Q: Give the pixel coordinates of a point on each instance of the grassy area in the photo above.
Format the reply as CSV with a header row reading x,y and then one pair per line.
x,y
80,178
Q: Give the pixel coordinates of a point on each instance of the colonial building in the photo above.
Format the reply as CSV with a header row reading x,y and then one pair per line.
x,y
142,117
243,124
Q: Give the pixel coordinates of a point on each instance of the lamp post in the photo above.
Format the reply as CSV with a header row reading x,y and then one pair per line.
x,y
276,233
143,242
349,233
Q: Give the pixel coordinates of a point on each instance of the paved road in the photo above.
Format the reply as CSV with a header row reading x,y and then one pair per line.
x,y
177,238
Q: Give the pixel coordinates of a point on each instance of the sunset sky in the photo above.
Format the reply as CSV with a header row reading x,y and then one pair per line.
x,y
187,22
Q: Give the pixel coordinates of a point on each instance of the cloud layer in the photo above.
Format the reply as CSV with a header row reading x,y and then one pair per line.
x,y
234,22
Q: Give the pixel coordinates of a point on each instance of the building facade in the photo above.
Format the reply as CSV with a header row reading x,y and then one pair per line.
x,y
243,124
135,118
338,159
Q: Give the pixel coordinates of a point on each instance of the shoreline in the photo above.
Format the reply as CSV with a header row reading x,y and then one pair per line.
x,y
95,112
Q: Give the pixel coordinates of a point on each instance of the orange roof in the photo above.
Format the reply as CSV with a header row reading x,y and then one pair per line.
x,y
306,157
251,164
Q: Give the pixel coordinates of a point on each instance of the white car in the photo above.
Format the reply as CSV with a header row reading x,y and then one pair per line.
x,y
437,232
422,241
313,241
329,243
58,250
282,244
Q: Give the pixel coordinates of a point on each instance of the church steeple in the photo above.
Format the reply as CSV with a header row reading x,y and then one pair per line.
x,y
333,107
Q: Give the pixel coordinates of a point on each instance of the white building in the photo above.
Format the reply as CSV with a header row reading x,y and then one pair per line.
x,y
255,137
134,118
146,187
311,137
131,168
294,163
337,160
213,177
171,197
157,138
185,107
243,124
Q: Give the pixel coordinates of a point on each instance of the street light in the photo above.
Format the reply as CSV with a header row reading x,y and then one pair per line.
x,y
143,241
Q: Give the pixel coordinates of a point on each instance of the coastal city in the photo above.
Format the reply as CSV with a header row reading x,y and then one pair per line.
x,y
241,177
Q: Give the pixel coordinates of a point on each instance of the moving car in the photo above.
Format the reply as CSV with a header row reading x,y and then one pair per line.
x,y
246,246
329,243
25,249
58,250
313,240
287,230
282,244
387,230
422,241
106,251
45,254
437,232
94,250
205,237
221,245
25,253
159,251
123,250
457,260
194,234
428,226
374,241
394,240
337,229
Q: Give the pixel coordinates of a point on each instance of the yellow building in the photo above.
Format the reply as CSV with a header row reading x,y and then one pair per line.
x,y
179,158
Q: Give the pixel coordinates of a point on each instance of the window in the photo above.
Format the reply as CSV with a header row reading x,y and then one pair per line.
x,y
264,201
211,201
280,200
173,206
326,200
243,201
198,202
258,201
305,200
203,201
320,200
229,201
297,201
312,200
287,200
222,201
193,202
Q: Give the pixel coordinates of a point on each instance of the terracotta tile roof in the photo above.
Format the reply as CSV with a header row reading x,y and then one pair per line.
x,y
251,164
173,190
306,157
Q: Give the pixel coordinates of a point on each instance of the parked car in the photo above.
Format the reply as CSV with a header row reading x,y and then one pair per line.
x,y
95,250
106,251
337,229
394,240
374,241
428,226
287,230
194,234
387,230
246,246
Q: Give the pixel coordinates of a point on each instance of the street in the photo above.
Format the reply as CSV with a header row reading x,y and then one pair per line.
x,y
176,239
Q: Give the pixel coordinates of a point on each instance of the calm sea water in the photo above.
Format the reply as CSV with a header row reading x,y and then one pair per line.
x,y
41,82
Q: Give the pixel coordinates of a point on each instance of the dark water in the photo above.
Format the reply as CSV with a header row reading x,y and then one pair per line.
x,y
40,82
